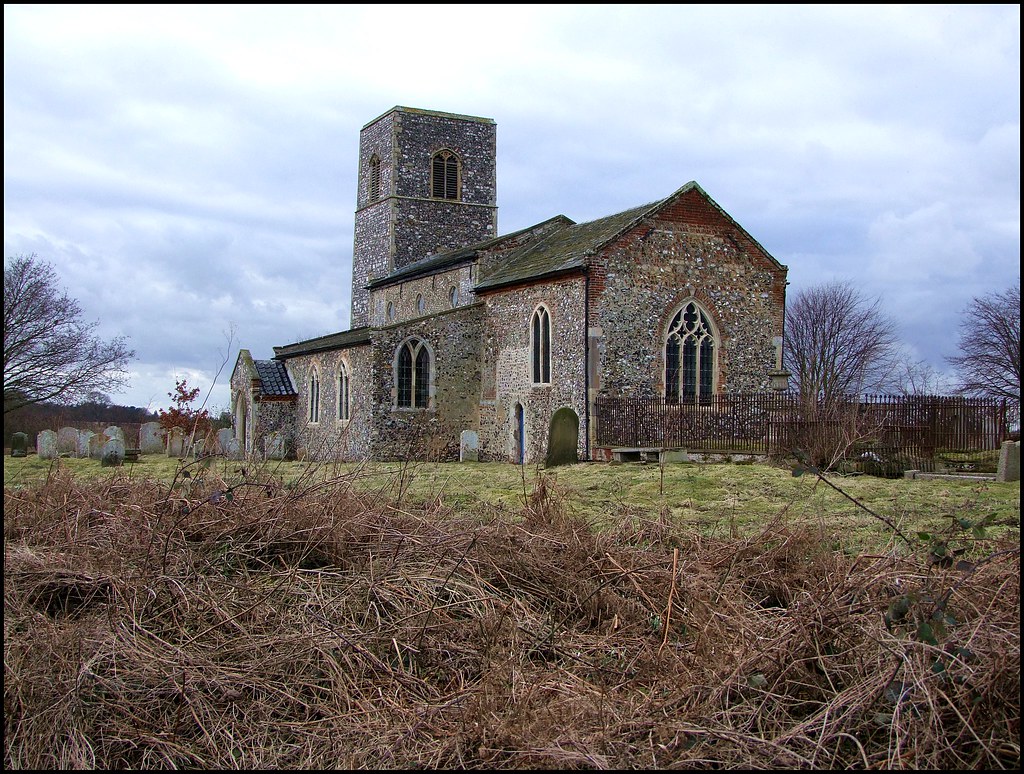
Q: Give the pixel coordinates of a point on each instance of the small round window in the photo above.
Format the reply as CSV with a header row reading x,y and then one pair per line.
x,y
421,305
453,296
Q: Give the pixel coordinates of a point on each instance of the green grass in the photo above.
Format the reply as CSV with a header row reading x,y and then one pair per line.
x,y
719,499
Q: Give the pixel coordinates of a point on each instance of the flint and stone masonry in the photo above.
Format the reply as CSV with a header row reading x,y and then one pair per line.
x,y
509,330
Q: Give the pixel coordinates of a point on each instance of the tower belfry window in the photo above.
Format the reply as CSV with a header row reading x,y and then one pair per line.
x,y
373,191
444,175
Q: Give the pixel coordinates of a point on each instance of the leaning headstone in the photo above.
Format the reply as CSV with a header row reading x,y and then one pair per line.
x,y
563,438
175,442
198,448
96,444
82,449
113,453
469,446
46,445
231,449
115,432
67,441
273,446
151,438
224,438
1009,462
19,445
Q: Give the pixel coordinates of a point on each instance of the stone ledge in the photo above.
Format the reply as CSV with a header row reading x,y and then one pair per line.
x,y
920,475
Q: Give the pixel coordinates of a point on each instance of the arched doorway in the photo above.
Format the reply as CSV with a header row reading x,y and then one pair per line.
x,y
241,424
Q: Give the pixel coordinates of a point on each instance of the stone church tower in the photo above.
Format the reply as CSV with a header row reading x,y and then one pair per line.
x,y
427,185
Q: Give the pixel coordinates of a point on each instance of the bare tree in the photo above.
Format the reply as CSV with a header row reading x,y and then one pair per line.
x,y
917,377
989,360
50,352
838,342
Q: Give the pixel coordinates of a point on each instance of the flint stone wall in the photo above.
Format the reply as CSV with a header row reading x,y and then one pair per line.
x,y
433,433
689,251
506,366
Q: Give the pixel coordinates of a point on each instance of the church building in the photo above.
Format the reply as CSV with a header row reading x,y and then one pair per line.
x,y
456,328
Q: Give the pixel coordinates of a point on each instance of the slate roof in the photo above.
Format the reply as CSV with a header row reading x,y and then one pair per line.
x,y
341,340
443,261
564,250
569,248
273,378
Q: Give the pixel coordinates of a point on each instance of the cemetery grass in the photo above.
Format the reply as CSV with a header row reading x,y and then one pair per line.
x,y
712,499
483,615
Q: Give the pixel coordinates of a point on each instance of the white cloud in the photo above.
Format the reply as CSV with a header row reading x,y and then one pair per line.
x,y
195,165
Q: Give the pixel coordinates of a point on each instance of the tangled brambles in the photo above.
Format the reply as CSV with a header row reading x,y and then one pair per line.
x,y
314,627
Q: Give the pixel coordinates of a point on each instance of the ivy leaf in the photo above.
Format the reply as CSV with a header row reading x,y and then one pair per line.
x,y
965,523
798,471
898,609
925,536
757,680
966,655
926,634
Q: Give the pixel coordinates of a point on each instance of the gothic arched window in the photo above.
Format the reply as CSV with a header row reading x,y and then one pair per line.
x,y
690,347
343,394
314,397
444,175
540,345
413,372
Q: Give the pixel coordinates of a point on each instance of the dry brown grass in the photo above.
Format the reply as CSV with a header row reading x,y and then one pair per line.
x,y
321,627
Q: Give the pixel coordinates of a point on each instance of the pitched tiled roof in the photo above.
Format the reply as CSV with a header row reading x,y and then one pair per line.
x,y
569,248
331,341
273,378
563,250
442,261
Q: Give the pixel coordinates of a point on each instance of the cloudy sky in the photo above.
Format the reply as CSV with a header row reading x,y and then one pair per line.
x,y
190,171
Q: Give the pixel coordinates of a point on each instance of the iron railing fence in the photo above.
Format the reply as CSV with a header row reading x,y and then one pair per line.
x,y
777,423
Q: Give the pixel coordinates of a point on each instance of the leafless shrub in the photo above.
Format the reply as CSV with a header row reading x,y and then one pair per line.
x,y
313,627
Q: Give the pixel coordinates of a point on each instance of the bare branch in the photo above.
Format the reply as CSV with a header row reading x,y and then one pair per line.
x,y
989,360
838,342
50,352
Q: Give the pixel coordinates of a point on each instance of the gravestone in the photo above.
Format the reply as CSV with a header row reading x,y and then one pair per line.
x,y
231,449
224,438
175,442
96,444
563,438
46,445
82,445
19,445
273,446
151,438
113,453
115,432
1009,462
469,446
67,441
